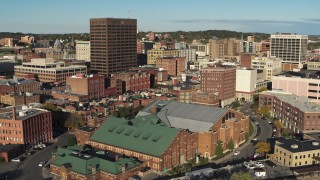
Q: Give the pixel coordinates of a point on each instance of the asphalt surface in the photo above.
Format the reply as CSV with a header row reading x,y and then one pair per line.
x,y
29,168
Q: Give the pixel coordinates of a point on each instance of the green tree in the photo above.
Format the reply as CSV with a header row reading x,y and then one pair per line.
x,y
262,147
231,144
219,150
1,159
241,176
286,133
74,121
265,111
235,104
263,89
247,136
72,141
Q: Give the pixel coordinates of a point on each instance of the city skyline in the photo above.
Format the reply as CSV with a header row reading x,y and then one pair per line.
x,y
246,16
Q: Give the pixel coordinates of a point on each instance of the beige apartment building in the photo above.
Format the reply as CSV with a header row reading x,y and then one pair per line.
x,y
154,54
48,70
224,48
270,65
293,153
83,50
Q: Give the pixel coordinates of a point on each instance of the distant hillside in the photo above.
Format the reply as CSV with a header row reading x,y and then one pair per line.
x,y
178,35
204,36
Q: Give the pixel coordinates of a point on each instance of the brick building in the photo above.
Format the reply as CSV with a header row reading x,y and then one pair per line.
x,y
295,112
174,65
25,126
211,124
77,162
83,134
9,86
92,86
160,147
130,81
14,100
10,151
221,81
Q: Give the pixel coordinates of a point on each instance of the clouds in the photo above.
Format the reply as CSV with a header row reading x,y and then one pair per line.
x,y
248,21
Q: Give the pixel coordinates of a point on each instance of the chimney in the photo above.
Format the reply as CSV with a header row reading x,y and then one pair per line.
x,y
154,109
14,113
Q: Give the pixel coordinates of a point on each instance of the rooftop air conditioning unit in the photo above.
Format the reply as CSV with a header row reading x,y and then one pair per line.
x,y
294,146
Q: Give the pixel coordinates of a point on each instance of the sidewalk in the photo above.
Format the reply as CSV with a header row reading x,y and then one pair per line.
x,y
226,157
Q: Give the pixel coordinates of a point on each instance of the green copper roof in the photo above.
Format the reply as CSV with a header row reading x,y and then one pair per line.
x,y
142,135
81,164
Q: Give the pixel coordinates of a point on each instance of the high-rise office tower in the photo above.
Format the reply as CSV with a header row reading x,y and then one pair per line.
x,y
113,44
291,48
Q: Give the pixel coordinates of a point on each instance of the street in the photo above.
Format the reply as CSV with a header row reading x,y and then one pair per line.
x,y
29,168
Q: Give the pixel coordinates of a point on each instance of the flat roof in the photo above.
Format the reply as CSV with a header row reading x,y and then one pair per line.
x,y
308,74
22,114
301,102
301,145
9,82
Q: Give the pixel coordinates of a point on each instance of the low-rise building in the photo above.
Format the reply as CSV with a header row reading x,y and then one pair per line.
x,y
10,151
313,65
154,54
83,134
148,139
297,113
17,99
77,162
174,65
48,70
130,81
26,126
294,153
9,86
211,124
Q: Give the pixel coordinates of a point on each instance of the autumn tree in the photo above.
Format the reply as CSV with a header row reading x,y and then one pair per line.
x,y
241,176
263,89
278,124
262,147
265,111
286,133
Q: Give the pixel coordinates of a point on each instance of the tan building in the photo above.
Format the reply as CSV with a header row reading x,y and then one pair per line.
x,y
113,44
48,70
83,50
15,100
174,65
314,65
27,39
154,54
221,49
293,153
270,65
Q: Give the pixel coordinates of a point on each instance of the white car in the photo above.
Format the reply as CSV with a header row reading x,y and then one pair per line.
x,y
255,138
256,123
237,152
16,160
248,165
255,155
259,164
42,163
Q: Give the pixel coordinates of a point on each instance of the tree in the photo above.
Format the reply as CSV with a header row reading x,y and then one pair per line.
x,y
278,124
247,136
231,144
74,121
263,89
72,141
235,104
1,159
286,133
241,176
219,150
262,147
265,111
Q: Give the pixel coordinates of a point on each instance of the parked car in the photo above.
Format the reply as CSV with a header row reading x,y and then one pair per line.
x,y
42,163
237,152
248,165
16,160
259,164
255,138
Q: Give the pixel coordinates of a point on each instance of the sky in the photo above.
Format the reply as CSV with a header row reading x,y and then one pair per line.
x,y
72,16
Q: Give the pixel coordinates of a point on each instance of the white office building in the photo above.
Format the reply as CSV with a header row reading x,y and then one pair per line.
x,y
83,50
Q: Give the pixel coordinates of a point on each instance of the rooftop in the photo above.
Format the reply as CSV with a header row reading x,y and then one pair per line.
x,y
301,102
11,82
302,74
295,146
196,118
22,114
83,161
150,138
